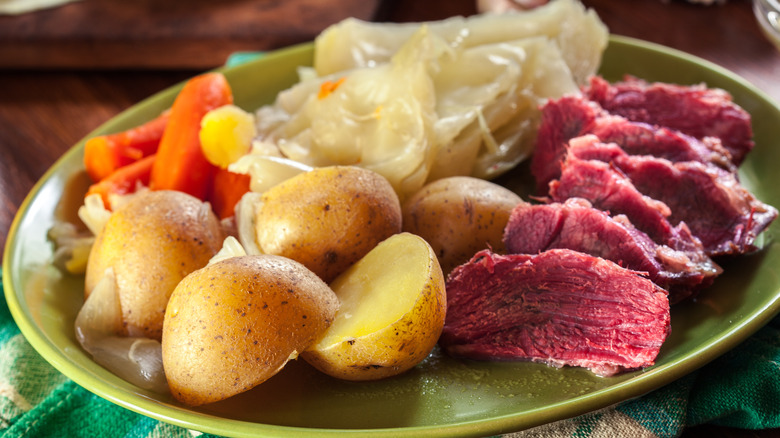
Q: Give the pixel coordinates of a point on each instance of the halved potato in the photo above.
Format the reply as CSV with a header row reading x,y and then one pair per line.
x,y
235,323
151,243
327,218
393,305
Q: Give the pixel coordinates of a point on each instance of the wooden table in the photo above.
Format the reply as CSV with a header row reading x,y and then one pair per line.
x,y
44,110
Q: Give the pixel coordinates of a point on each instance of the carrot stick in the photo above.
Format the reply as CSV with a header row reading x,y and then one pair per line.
x,y
123,180
227,190
106,153
180,163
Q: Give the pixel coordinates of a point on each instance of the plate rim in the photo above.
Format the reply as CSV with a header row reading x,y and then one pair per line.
x,y
654,378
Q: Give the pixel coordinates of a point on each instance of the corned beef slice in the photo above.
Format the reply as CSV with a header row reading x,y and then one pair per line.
x,y
606,188
637,138
695,110
573,116
561,120
713,204
577,226
559,307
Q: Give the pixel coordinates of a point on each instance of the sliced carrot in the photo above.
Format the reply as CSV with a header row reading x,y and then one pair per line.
x,y
328,87
124,180
180,163
106,153
227,190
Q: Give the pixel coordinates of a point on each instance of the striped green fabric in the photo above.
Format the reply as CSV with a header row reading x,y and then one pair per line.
x,y
37,401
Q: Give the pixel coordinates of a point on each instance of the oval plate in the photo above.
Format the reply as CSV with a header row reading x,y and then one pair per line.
x,y
442,396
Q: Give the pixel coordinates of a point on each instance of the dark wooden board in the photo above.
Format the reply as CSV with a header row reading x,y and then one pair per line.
x,y
144,34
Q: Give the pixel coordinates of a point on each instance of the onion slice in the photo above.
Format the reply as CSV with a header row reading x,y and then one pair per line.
x,y
136,360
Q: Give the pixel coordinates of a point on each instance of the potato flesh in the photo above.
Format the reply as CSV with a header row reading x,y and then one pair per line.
x,y
389,286
226,134
368,341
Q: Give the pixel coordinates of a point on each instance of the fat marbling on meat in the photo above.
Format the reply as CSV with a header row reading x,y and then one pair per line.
x,y
576,225
559,307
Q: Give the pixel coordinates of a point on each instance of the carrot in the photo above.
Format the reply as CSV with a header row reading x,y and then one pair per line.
x,y
123,180
328,87
106,153
227,190
180,163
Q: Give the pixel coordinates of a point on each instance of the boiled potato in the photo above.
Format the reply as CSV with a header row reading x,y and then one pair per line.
x,y
151,243
327,218
235,323
459,216
393,305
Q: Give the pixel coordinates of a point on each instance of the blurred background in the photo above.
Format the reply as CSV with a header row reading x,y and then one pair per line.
x,y
200,34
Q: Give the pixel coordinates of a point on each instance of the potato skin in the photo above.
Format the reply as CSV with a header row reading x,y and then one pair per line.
x,y
399,346
235,323
459,216
151,243
328,218
360,360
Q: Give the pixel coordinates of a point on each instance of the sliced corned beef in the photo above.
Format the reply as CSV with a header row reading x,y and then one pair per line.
x,y
576,225
561,120
696,110
718,210
609,189
574,115
559,307
637,138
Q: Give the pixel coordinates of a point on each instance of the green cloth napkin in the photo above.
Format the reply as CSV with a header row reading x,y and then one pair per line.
x,y
740,389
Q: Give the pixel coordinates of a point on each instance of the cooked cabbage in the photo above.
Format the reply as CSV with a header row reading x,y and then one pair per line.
x,y
379,118
487,115
418,102
580,34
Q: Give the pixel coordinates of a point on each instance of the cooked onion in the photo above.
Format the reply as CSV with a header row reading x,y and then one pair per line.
x,y
93,213
266,171
231,247
246,210
71,247
137,360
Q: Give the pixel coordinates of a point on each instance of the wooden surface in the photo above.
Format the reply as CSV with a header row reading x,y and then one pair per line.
x,y
43,110
195,34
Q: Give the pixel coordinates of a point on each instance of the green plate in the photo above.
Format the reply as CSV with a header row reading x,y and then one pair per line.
x,y
442,396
